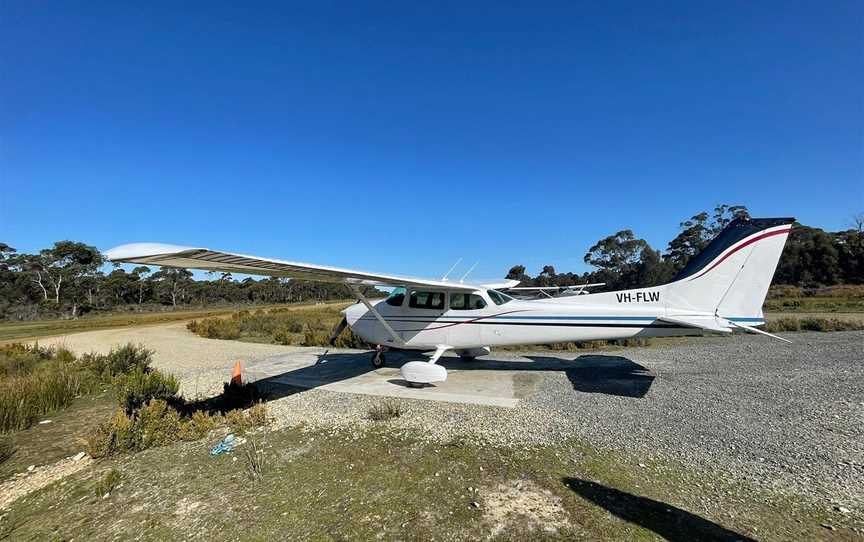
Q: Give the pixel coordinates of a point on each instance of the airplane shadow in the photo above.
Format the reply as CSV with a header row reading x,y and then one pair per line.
x,y
589,373
667,521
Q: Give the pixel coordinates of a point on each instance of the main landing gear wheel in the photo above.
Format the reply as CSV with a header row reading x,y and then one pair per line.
x,y
378,359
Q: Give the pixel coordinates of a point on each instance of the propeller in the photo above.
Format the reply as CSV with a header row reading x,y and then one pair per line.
x,y
340,327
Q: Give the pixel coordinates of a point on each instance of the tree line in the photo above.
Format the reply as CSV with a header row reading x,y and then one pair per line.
x,y
812,257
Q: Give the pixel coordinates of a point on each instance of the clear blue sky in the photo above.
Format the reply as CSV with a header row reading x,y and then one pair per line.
x,y
400,136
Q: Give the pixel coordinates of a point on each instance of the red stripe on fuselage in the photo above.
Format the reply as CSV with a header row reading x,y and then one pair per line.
x,y
742,245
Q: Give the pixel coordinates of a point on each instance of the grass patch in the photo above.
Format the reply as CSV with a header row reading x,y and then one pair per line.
x,y
384,411
812,323
842,298
108,483
36,380
326,485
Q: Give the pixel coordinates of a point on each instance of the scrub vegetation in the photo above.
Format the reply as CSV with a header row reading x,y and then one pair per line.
x,y
306,326
36,381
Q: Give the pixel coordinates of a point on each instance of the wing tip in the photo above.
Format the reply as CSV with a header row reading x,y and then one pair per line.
x,y
143,250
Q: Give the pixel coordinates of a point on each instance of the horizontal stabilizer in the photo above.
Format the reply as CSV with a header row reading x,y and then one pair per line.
x,y
751,329
706,322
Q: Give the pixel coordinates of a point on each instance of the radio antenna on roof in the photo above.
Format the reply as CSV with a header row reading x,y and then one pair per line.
x,y
452,267
461,280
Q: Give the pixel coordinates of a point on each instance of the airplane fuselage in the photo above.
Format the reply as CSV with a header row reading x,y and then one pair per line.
x,y
602,316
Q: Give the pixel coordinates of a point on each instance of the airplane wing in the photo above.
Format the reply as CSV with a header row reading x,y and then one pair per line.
x,y
213,260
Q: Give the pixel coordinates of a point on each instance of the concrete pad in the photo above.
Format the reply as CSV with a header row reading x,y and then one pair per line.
x,y
352,372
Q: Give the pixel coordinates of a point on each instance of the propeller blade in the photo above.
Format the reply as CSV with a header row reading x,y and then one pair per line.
x,y
340,327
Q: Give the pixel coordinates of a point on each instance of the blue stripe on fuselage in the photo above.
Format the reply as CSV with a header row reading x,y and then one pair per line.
x,y
593,318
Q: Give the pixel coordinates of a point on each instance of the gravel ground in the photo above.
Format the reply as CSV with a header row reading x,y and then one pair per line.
x,y
784,417
787,418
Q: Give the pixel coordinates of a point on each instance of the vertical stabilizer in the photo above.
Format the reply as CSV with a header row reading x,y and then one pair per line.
x,y
731,276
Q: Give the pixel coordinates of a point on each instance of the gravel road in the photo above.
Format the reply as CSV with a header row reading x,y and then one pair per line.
x,y
786,417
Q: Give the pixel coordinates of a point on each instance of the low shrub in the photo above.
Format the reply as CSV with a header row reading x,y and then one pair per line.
x,y
782,324
159,423
120,360
199,425
140,386
216,328
242,420
307,326
384,411
117,435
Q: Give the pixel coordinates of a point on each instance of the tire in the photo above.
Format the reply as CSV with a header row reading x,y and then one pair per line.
x,y
416,385
378,360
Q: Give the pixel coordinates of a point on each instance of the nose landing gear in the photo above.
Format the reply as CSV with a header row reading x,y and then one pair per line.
x,y
378,359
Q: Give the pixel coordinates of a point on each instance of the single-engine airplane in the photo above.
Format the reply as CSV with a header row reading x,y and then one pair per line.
x,y
719,290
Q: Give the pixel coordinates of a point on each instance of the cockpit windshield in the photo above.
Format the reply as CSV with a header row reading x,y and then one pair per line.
x,y
498,298
396,297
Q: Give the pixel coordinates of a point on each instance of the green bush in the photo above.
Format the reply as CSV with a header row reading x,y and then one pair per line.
x,y
216,328
140,386
120,360
158,424
117,435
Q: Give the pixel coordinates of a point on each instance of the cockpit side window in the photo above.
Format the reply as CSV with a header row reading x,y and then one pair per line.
x,y
397,297
466,302
498,298
426,300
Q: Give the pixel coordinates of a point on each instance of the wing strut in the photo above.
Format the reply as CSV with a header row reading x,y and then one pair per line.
x,y
376,314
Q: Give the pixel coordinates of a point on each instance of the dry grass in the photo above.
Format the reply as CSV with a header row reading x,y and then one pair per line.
x,y
256,460
387,410
812,323
302,326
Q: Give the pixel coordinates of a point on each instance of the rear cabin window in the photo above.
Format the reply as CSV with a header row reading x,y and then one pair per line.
x,y
397,297
426,300
498,298
466,302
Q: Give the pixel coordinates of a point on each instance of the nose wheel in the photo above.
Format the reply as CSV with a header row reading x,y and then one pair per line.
x,y
378,359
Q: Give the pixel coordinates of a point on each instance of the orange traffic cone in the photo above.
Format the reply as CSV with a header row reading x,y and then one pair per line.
x,y
236,377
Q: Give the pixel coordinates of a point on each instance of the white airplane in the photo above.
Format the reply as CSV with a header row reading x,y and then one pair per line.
x,y
720,290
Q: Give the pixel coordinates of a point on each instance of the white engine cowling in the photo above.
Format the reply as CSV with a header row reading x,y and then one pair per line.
x,y
423,372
